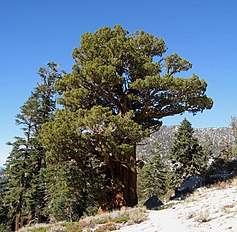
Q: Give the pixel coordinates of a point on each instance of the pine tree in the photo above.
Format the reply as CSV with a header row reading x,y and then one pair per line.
x,y
4,224
67,198
186,154
153,177
208,147
227,150
25,166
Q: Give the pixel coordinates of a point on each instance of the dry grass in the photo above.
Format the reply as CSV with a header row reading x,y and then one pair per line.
x,y
233,182
224,184
199,216
191,215
203,216
227,208
57,229
36,227
99,223
120,217
195,196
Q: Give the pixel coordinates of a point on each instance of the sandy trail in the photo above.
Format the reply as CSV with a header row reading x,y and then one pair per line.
x,y
212,210
157,221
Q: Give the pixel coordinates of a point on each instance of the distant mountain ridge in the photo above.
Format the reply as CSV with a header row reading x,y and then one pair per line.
x,y
165,137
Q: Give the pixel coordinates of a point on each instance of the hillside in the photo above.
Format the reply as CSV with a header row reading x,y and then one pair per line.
x,y
211,209
208,209
220,137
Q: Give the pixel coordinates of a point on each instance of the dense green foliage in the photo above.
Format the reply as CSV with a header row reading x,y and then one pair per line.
x,y
187,155
121,85
154,177
25,194
83,154
68,198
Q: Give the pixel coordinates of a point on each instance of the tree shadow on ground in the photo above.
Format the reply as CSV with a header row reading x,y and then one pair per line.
x,y
220,170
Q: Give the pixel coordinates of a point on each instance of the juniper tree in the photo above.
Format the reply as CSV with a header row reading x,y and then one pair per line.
x,y
186,154
121,85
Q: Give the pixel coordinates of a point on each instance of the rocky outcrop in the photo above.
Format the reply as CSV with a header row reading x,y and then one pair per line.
x,y
219,137
189,185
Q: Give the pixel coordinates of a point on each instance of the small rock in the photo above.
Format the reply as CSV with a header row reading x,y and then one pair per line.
x,y
153,203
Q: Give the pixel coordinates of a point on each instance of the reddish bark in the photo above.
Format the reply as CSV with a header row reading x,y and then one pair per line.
x,y
126,193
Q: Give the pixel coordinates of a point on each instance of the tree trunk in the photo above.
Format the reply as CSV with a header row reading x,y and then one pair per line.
x,y
126,174
128,177
17,221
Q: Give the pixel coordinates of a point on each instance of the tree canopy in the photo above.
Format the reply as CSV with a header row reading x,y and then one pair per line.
x,y
25,194
121,85
116,69
187,155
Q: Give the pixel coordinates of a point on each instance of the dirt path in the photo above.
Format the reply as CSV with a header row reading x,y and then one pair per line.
x,y
207,210
157,221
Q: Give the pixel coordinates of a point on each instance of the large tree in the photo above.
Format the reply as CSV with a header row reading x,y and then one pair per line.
x,y
121,85
25,166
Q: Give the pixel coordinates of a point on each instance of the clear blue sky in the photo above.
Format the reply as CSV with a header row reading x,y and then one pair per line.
x,y
34,32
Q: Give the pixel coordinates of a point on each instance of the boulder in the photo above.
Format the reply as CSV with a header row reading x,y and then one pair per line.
x,y
221,176
190,184
153,203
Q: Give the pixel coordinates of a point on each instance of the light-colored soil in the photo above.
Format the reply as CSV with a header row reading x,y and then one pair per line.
x,y
208,209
